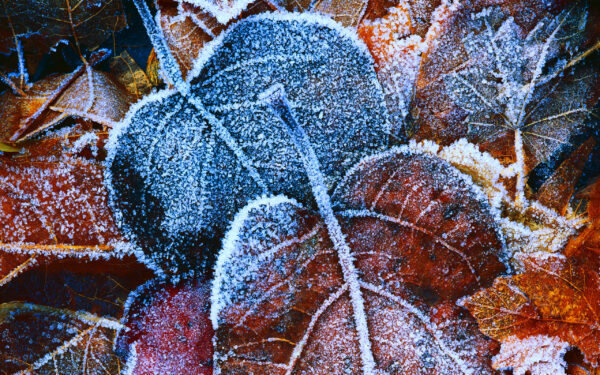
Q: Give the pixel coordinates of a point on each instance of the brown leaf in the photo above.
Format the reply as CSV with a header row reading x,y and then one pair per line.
x,y
534,355
497,86
347,12
129,74
589,239
88,94
555,297
558,189
53,199
41,24
287,300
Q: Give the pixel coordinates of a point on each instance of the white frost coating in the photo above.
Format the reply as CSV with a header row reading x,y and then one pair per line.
x,y
222,10
276,95
131,360
230,244
535,355
307,19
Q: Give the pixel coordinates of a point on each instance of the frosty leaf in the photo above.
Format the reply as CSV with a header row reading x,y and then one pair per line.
x,y
554,296
419,236
347,12
168,329
53,200
186,29
41,24
66,316
535,355
509,88
222,10
84,93
128,73
589,239
557,190
178,175
528,226
397,41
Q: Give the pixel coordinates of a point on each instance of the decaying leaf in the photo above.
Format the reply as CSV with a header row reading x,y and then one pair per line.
x,y
589,239
347,12
186,29
179,173
554,296
85,93
53,200
290,297
168,329
534,355
128,73
397,41
67,322
528,226
223,10
41,24
511,89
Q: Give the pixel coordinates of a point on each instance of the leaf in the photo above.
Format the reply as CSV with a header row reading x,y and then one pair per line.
x,y
63,319
168,329
179,173
535,355
8,148
52,199
347,12
84,93
509,88
288,297
588,239
557,190
186,29
223,10
554,296
41,24
397,41
128,73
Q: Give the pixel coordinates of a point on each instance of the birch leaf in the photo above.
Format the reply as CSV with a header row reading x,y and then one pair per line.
x,y
178,173
287,298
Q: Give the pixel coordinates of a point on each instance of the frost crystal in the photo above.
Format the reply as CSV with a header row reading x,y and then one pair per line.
x,y
179,167
535,355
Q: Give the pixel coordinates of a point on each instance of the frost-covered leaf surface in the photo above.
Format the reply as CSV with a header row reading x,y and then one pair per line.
x,y
347,12
67,322
509,86
535,355
178,175
555,296
167,329
41,24
282,295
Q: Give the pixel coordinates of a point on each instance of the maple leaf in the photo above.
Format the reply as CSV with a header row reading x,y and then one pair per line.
x,y
518,92
554,296
348,290
40,24
182,166
67,323
167,329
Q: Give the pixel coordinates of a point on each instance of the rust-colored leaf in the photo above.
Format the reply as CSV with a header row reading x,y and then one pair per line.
x,y
287,300
558,189
589,239
554,296
40,24
52,199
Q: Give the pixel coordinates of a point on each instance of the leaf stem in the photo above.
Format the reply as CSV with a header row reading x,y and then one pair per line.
x,y
275,96
167,61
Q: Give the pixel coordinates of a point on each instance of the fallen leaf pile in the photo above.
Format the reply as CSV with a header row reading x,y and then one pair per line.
x,y
299,187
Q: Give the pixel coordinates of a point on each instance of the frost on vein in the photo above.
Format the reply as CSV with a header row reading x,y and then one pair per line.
x,y
174,180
